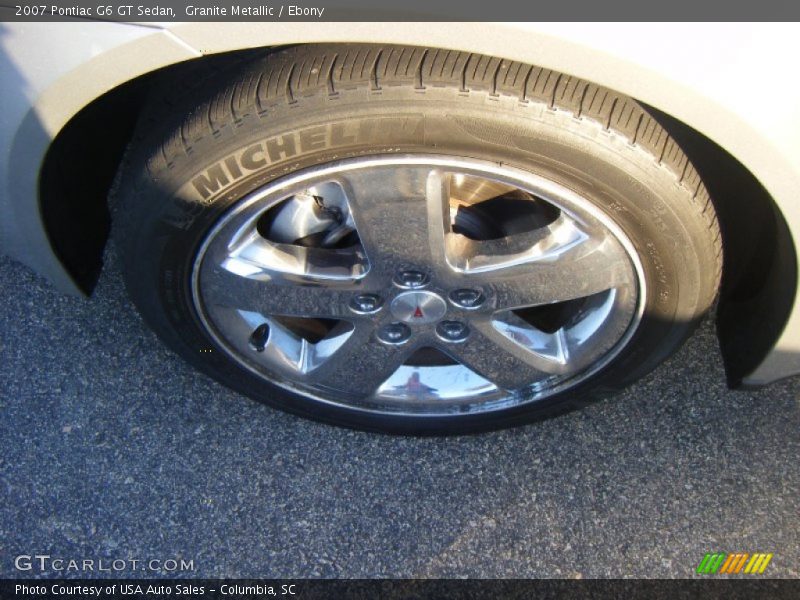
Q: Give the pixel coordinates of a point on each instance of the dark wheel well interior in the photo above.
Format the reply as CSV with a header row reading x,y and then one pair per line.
x,y
759,274
759,277
77,174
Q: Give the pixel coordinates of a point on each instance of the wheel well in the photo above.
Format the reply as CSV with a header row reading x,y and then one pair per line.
x,y
759,273
759,277
77,174
82,161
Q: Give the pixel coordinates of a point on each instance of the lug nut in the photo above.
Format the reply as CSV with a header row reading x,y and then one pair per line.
x,y
394,333
467,298
260,337
452,331
411,279
366,303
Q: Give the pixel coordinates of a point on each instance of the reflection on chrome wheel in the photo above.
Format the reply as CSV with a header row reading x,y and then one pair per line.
x,y
418,285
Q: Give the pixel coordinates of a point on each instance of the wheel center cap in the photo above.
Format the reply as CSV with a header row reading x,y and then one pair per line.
x,y
418,307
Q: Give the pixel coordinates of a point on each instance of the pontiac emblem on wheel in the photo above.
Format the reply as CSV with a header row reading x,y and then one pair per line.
x,y
418,307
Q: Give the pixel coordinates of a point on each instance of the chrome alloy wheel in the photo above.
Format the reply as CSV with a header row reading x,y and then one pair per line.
x,y
418,285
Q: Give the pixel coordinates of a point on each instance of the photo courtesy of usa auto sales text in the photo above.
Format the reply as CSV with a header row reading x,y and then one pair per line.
x,y
135,589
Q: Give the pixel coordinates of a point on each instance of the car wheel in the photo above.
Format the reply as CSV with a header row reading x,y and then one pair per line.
x,y
413,240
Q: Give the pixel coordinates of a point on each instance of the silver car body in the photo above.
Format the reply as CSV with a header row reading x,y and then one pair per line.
x,y
727,81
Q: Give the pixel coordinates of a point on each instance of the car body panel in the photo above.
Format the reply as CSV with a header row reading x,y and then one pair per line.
x,y
45,90
727,81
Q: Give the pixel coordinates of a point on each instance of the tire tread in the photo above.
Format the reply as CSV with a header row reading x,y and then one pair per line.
x,y
286,75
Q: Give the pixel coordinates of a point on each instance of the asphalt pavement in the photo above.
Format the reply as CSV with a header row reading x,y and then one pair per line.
x,y
112,448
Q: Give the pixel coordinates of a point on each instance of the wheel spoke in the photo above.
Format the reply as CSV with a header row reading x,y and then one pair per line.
x,y
399,214
542,244
593,328
361,364
498,359
221,287
583,267
256,257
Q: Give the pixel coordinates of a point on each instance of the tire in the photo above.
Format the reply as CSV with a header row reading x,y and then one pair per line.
x,y
239,129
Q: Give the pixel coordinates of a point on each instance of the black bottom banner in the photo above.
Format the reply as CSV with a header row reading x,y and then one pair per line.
x,y
196,589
